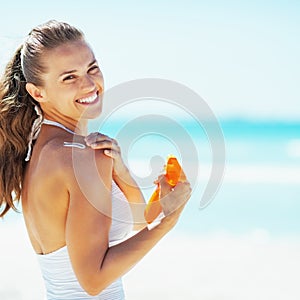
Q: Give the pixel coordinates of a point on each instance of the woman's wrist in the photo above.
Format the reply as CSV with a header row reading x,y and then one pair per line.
x,y
156,221
122,174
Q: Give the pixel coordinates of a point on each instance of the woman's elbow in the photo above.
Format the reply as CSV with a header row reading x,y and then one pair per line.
x,y
91,287
92,290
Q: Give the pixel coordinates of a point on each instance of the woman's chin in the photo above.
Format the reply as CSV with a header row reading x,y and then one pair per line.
x,y
92,112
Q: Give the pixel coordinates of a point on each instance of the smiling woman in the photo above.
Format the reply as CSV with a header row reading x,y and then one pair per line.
x,y
73,74
79,220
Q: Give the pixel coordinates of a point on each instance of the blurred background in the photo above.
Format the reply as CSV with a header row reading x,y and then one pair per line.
x,y
242,58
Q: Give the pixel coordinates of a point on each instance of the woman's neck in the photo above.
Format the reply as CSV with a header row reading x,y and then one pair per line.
x,y
78,127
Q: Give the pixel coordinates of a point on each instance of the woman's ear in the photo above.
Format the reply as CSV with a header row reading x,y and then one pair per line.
x,y
35,92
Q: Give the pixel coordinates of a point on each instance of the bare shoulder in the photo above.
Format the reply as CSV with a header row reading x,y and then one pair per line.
x,y
74,160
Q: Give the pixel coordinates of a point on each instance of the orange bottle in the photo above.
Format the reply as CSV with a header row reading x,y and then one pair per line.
x,y
172,173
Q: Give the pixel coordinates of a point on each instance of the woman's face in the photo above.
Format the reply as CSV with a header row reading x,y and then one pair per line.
x,y
73,82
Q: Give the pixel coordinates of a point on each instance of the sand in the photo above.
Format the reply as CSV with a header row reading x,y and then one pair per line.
x,y
215,267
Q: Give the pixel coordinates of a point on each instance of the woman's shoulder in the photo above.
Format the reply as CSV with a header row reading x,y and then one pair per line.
x,y
72,156
85,173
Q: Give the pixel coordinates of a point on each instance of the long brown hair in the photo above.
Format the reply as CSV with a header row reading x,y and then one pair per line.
x,y
17,107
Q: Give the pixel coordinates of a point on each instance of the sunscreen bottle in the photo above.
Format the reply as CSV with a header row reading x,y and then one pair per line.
x,y
172,173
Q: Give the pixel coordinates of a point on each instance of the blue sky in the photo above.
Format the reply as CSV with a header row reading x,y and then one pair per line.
x,y
242,57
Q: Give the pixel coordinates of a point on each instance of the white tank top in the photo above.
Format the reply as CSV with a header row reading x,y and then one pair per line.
x,y
59,277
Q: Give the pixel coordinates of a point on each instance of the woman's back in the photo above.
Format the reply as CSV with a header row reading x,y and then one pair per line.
x,y
45,195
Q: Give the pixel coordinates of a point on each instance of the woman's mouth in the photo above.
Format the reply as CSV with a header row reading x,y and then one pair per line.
x,y
88,100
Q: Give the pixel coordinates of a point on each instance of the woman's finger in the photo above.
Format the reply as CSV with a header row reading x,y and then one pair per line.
x,y
111,153
176,200
105,144
98,137
182,177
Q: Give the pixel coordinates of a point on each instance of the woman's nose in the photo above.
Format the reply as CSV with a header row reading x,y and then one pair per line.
x,y
87,83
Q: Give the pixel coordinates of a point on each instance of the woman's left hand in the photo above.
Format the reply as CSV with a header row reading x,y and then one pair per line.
x,y
110,147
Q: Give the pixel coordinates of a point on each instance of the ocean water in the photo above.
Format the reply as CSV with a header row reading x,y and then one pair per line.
x,y
260,189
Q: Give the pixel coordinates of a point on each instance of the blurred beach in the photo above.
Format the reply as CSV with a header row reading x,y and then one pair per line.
x,y
243,245
216,266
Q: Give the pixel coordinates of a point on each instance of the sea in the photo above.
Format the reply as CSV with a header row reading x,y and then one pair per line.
x,y
257,188
258,182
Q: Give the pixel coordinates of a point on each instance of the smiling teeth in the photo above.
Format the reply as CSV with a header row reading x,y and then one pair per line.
x,y
88,100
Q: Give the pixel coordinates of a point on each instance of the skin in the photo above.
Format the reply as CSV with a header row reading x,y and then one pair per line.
x,y
62,207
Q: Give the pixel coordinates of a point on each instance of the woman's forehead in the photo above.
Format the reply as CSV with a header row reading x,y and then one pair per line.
x,y
71,55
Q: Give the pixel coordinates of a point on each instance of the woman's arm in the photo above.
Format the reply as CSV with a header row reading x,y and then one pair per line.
x,y
96,265
121,175
134,196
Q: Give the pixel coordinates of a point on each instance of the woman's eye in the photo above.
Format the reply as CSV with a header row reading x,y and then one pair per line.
x,y
94,69
69,77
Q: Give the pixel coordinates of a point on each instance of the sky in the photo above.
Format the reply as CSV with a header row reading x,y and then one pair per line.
x,y
241,57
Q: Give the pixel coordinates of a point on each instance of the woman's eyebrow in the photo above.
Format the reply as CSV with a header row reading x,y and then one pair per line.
x,y
67,72
94,61
73,71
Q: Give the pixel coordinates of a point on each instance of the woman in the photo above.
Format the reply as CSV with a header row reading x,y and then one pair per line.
x,y
76,191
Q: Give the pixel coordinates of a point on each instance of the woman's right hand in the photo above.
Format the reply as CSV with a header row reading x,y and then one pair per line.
x,y
173,199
